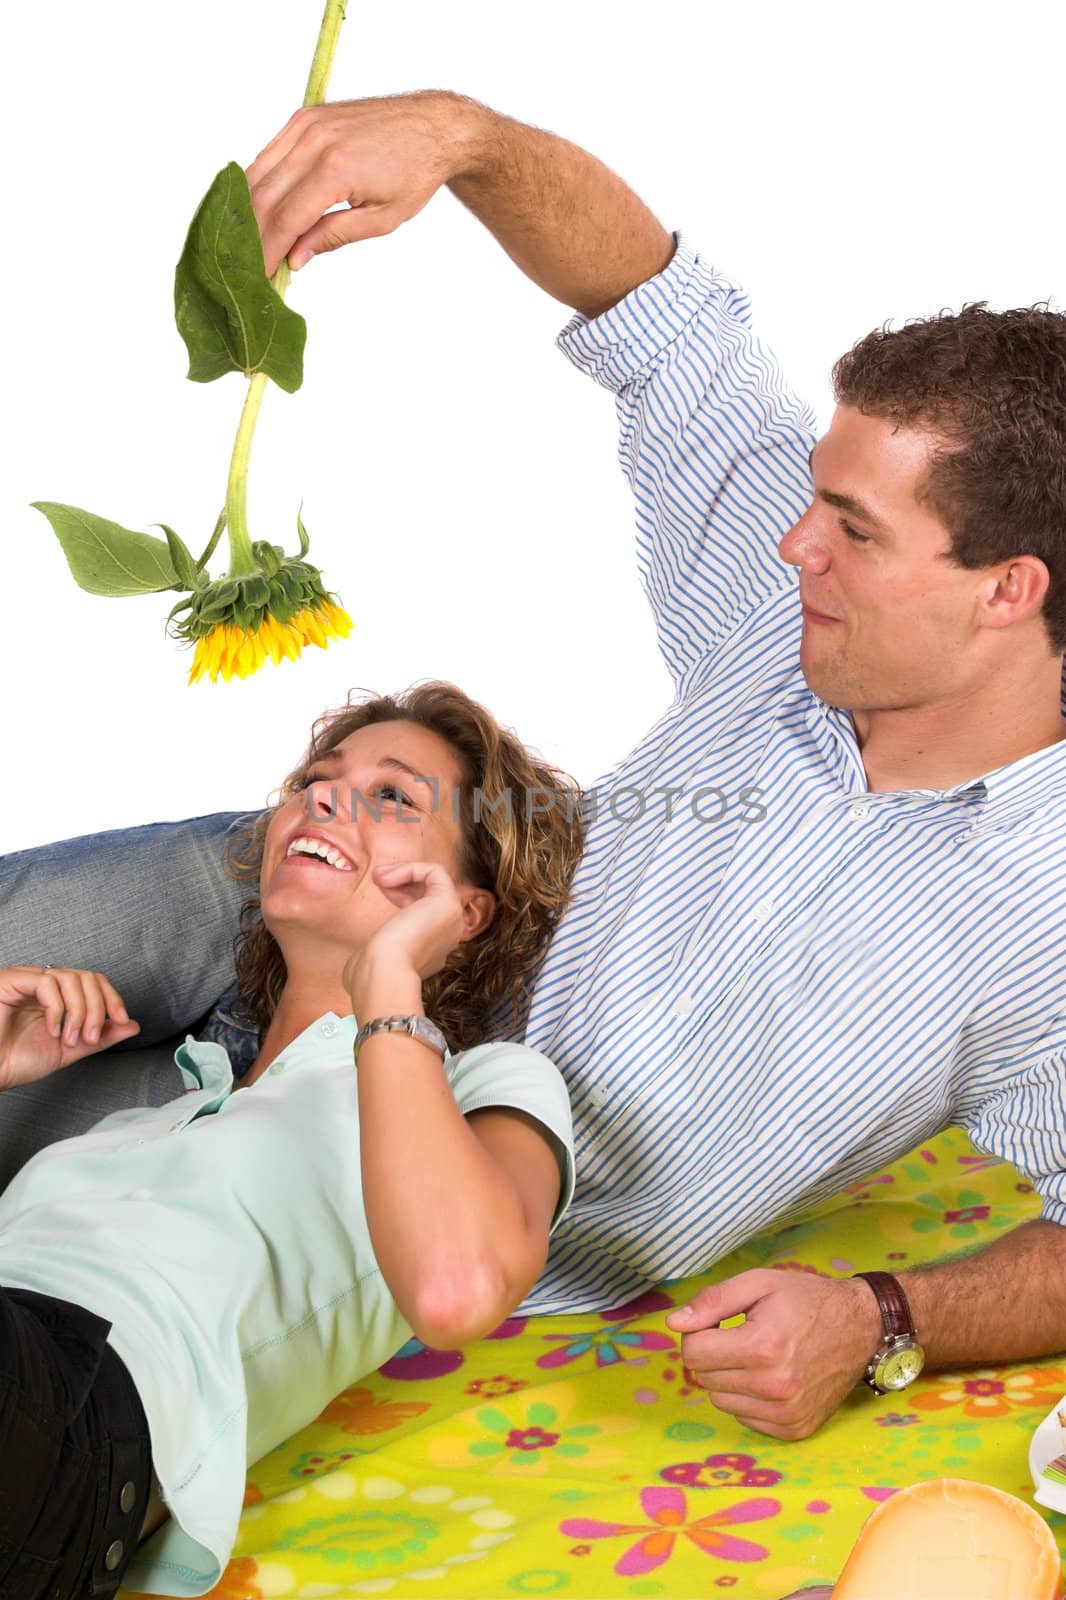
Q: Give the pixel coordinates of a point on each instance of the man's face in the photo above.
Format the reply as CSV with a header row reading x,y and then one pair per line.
x,y
887,617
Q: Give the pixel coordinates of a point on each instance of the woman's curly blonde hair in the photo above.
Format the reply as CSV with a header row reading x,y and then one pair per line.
x,y
522,837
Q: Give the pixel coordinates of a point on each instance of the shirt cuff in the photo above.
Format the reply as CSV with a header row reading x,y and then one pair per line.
x,y
617,346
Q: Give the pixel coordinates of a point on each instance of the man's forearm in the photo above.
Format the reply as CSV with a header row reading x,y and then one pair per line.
x,y
569,222
1006,1302
571,225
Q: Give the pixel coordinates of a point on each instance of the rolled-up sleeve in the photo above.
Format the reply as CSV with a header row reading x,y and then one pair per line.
x,y
1025,1123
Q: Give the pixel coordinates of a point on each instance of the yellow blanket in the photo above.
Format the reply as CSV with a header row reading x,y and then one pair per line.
x,y
573,1455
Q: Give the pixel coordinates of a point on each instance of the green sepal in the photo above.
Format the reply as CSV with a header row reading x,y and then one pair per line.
x,y
229,314
305,543
280,588
188,573
105,558
255,590
270,556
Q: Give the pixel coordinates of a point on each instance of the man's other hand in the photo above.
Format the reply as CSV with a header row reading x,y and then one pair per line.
x,y
804,1344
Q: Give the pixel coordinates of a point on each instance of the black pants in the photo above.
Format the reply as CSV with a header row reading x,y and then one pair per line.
x,y
75,1453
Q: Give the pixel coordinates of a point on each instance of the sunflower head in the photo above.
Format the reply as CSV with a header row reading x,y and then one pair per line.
x,y
237,623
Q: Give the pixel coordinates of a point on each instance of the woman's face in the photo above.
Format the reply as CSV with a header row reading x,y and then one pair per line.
x,y
384,794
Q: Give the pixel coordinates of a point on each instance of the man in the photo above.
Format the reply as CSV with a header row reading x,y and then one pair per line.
x,y
817,916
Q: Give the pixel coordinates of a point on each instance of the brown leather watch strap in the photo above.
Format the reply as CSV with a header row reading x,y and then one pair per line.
x,y
895,1311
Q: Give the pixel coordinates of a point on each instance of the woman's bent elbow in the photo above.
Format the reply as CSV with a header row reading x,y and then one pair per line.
x,y
456,1308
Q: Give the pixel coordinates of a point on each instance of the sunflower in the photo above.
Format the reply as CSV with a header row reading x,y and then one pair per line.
x,y
237,623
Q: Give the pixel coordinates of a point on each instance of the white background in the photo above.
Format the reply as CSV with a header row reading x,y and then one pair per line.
x,y
849,162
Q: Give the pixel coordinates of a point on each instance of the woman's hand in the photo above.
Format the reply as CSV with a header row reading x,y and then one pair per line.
x,y
49,1019
425,930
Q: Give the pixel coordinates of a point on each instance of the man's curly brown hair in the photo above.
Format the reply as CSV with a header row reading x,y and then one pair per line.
x,y
992,384
522,837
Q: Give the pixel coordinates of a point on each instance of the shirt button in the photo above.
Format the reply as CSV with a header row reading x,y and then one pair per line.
x,y
276,1066
763,911
115,1552
685,1006
328,1029
860,812
128,1498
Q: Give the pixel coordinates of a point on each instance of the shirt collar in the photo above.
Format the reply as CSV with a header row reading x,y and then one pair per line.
x,y
206,1065
1024,787
1005,795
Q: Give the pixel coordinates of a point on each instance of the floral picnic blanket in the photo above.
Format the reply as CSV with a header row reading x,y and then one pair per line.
x,y
575,1456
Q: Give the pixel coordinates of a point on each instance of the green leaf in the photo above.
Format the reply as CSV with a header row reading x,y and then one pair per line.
x,y
107,559
229,314
180,558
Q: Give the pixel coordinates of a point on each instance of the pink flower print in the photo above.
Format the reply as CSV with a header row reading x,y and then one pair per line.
x,y
530,1439
510,1328
668,1514
977,1163
616,1341
730,1471
688,1384
643,1306
861,1191
416,1360
968,1214
611,1344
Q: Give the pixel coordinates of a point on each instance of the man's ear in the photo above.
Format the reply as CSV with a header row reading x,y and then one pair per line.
x,y
1018,591
479,908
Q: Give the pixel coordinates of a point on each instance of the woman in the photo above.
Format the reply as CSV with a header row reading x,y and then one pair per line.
x,y
188,1285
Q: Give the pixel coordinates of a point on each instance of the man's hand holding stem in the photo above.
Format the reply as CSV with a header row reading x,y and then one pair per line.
x,y
563,217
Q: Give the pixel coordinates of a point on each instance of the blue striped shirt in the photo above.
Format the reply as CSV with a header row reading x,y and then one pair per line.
x,y
771,982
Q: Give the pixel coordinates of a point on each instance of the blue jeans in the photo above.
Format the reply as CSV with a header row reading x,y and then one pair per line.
x,y
154,909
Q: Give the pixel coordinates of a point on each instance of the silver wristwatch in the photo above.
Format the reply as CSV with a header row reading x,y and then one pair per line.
x,y
417,1027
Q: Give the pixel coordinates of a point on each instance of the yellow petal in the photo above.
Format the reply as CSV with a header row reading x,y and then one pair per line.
x,y
311,628
340,621
268,633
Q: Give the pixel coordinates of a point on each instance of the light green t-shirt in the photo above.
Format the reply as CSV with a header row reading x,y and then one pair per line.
x,y
224,1237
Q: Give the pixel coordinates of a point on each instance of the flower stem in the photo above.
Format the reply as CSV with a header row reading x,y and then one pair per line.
x,y
318,77
240,543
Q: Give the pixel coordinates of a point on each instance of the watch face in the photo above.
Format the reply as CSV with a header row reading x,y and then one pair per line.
x,y
900,1367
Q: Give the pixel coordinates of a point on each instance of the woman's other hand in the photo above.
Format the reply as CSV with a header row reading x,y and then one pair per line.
x,y
51,1017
